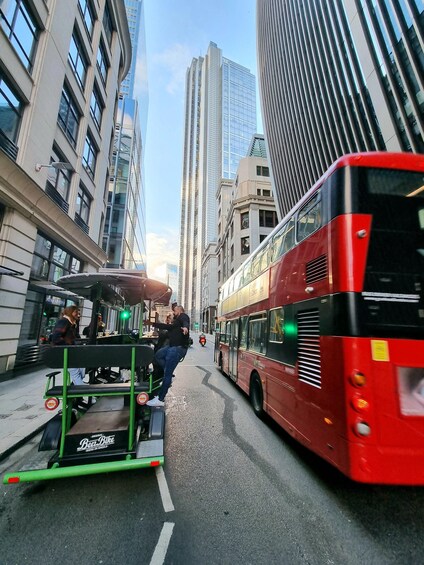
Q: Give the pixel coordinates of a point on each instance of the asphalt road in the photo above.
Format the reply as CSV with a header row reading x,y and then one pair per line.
x,y
234,490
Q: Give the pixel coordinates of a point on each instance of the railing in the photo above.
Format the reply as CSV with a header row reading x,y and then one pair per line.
x,y
56,197
8,146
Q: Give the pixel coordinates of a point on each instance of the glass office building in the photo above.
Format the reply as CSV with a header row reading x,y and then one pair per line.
x,y
124,237
220,119
336,78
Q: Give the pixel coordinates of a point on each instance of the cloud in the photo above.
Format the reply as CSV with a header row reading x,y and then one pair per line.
x,y
161,249
175,60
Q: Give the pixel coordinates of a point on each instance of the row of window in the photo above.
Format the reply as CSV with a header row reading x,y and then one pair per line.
x,y
50,261
19,24
294,230
257,331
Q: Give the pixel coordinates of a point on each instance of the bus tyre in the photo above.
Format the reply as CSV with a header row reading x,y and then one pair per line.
x,y
257,396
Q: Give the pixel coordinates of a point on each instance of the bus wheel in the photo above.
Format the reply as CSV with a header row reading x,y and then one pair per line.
x,y
257,396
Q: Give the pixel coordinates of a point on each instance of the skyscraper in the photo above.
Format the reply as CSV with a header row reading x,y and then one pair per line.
x,y
220,119
124,238
335,78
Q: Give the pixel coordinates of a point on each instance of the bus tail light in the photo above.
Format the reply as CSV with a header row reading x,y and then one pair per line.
x,y
142,398
362,429
358,379
360,404
51,403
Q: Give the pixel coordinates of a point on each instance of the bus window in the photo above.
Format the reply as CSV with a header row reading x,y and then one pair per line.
x,y
247,273
227,332
277,243
264,259
309,218
257,333
256,261
237,280
276,325
222,336
243,332
289,237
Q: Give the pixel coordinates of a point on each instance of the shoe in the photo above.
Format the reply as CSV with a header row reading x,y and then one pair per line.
x,y
155,402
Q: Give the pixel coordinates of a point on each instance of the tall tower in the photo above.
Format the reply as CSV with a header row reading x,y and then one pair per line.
x,y
220,119
124,238
336,78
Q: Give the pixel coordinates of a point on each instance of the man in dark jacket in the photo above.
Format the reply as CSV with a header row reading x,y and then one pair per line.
x,y
169,356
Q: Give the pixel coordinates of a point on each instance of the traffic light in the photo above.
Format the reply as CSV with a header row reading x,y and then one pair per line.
x,y
125,314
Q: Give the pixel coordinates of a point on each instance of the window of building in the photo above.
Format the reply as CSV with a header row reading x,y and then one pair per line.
x,y
89,156
102,62
232,253
82,210
96,107
78,59
245,245
244,220
20,28
257,333
268,218
262,171
309,218
276,325
11,111
107,24
50,261
69,116
263,192
58,180
87,13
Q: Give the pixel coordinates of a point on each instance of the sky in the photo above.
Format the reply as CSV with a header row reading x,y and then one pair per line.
x,y
177,31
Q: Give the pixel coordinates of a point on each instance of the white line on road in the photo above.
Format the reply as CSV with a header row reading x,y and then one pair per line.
x,y
164,490
161,548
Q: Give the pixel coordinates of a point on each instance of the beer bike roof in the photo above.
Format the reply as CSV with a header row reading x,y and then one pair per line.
x,y
115,286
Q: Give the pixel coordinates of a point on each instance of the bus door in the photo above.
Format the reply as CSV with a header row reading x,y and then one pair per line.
x,y
232,350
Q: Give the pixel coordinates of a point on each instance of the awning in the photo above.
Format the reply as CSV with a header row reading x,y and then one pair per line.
x,y
10,272
53,289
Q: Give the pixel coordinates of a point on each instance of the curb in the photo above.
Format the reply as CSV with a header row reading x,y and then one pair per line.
x,y
7,452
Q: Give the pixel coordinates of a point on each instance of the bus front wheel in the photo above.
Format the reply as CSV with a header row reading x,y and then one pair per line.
x,y
257,396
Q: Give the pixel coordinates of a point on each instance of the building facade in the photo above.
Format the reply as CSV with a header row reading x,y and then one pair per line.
x,y
124,238
60,69
246,212
336,78
220,119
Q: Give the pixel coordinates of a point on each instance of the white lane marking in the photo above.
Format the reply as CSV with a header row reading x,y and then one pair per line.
x,y
161,548
164,490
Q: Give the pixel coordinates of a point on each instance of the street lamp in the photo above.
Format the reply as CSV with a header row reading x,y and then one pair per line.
x,y
55,165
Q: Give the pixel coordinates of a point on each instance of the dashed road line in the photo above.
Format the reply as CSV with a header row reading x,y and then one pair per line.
x,y
164,490
161,548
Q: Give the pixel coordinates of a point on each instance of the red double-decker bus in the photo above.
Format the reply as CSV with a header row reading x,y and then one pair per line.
x,y
323,325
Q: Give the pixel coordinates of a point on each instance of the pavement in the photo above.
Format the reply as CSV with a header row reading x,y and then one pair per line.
x,y
22,412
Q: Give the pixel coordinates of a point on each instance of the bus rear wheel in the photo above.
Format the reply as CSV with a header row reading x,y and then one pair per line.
x,y
257,396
